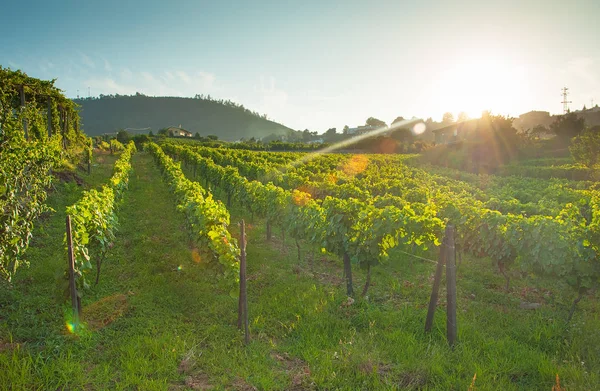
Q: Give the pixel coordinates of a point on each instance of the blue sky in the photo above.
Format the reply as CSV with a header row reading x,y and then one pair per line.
x,y
317,64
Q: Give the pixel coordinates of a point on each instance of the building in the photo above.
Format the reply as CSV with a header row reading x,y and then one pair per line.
x,y
361,130
532,119
450,134
178,132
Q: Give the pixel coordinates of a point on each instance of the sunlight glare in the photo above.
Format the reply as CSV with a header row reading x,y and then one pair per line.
x,y
478,83
419,128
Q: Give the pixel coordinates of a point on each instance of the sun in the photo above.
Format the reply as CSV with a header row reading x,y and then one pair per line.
x,y
474,84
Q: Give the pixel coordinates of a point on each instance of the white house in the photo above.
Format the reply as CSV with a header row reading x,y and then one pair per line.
x,y
178,132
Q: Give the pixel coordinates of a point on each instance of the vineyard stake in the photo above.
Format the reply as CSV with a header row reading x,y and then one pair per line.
x,y
72,287
49,117
436,285
22,94
451,327
89,164
243,300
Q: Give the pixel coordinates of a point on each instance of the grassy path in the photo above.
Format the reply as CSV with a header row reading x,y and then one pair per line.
x,y
159,320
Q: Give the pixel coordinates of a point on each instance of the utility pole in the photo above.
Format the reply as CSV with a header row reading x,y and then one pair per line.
x,y
565,102
89,94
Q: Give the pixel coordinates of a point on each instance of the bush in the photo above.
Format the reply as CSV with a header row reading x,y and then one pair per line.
x,y
585,149
103,145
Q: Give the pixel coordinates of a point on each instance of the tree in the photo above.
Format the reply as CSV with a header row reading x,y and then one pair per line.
x,y
403,135
376,123
306,135
567,126
123,137
585,148
345,131
140,140
447,118
212,137
197,135
462,117
150,134
163,132
398,119
331,132
537,131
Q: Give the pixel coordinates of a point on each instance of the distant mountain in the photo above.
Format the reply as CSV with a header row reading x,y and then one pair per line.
x,y
225,119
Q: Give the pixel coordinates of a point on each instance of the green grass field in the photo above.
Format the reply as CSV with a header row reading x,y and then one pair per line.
x,y
158,320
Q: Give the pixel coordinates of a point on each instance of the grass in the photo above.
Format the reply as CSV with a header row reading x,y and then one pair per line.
x,y
160,320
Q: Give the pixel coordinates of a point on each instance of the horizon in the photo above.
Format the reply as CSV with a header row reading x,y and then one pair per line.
x,y
319,66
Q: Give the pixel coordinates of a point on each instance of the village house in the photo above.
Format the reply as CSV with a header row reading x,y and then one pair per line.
x,y
178,132
454,132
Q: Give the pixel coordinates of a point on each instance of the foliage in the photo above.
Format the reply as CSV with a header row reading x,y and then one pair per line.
x,y
140,140
116,146
370,206
93,218
26,163
448,118
103,145
207,218
585,148
301,334
374,122
567,126
348,228
24,180
203,114
123,137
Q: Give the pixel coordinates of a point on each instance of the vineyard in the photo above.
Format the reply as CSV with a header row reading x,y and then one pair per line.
x,y
121,268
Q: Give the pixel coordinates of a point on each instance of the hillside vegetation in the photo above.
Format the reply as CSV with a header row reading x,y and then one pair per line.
x,y
224,119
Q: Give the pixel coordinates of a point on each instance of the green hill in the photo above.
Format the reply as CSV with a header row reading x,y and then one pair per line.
x,y
225,119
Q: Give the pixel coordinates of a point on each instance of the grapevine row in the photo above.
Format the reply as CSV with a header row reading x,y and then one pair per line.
x,y
356,231
564,246
94,219
39,133
208,219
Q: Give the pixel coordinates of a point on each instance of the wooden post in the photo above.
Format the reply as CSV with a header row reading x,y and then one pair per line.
x,y
66,127
22,94
451,329
243,302
49,117
348,274
61,126
436,285
72,286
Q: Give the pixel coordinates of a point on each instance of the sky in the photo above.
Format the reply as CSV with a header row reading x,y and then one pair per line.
x,y
317,64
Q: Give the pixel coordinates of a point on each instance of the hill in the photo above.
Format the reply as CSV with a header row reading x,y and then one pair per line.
x,y
225,119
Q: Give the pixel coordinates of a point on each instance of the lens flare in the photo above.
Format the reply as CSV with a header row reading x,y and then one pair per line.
x,y
71,327
196,256
300,198
355,165
179,268
419,128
